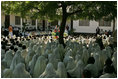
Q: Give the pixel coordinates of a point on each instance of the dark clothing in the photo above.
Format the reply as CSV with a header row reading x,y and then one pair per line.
x,y
99,41
97,31
67,27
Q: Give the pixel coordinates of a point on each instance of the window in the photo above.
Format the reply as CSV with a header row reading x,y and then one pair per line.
x,y
83,22
33,22
17,20
104,23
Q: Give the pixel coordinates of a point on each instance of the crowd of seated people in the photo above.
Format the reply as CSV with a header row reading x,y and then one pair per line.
x,y
44,57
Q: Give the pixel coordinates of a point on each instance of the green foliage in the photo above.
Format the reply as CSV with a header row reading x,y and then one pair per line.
x,y
52,10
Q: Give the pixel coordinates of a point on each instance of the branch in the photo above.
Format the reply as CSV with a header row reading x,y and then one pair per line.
x,y
77,11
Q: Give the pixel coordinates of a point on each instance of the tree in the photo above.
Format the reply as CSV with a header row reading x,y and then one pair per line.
x,y
109,11
59,10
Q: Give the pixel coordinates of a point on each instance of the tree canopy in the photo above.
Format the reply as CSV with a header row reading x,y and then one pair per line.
x,y
63,10
53,9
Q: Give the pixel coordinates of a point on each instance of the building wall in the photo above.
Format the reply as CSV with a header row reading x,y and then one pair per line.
x,y
2,19
91,28
80,29
12,21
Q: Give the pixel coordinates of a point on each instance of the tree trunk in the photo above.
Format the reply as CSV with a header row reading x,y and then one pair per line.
x,y
62,27
71,30
113,25
43,25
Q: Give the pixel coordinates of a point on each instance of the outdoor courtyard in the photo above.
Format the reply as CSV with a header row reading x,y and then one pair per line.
x,y
58,39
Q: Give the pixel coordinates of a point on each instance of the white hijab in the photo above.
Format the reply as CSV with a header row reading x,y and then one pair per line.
x,y
78,70
49,72
61,71
53,60
8,58
16,59
20,71
7,73
32,63
85,56
107,75
39,66
71,64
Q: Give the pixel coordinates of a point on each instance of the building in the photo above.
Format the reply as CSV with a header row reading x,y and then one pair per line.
x,y
79,26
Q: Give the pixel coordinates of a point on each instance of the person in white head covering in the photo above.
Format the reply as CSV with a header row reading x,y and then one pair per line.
x,y
32,63
16,59
78,70
53,60
103,57
56,53
24,52
114,59
85,55
20,71
3,51
49,72
39,66
71,64
61,70
66,58
29,57
108,72
35,47
39,50
91,67
97,63
7,73
8,58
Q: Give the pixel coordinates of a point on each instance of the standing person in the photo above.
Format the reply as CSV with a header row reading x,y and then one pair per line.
x,y
101,32
67,28
10,31
97,30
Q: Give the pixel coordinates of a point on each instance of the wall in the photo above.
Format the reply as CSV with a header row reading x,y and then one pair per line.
x,y
91,28
80,29
2,19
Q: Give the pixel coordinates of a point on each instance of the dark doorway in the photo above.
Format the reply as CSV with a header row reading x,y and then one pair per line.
x,y
7,21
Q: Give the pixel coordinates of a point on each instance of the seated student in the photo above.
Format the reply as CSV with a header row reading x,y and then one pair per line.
x,y
99,41
91,67
24,51
108,63
12,47
86,74
3,51
15,50
108,72
91,60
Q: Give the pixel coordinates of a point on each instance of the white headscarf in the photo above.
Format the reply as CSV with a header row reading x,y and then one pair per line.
x,y
61,71
32,63
7,73
8,58
20,71
53,60
49,72
78,70
16,59
114,59
29,56
39,66
85,55
71,64
92,69
107,75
